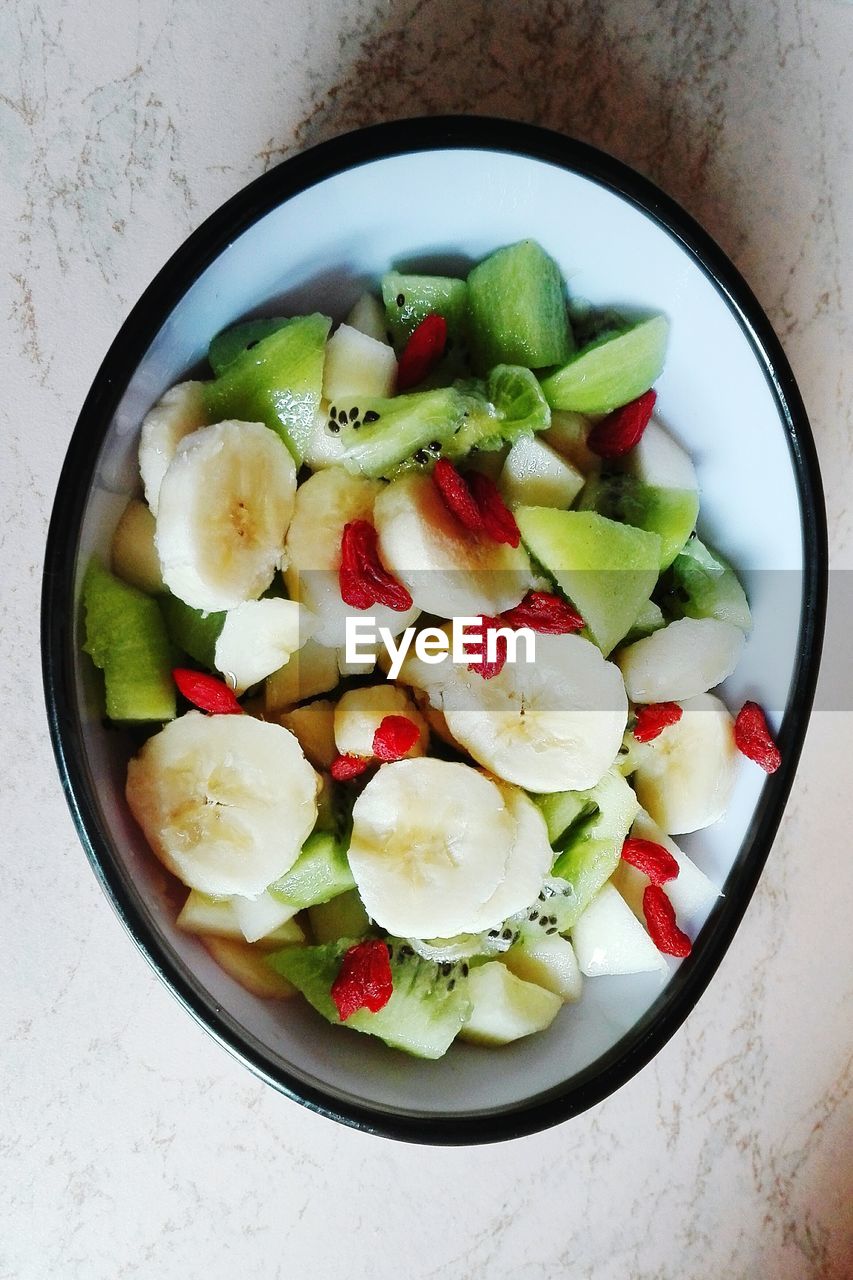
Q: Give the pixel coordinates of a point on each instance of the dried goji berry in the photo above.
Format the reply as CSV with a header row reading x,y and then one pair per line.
x,y
660,919
422,352
206,692
364,979
653,718
395,736
363,579
753,738
498,521
343,768
482,664
651,858
456,495
621,430
545,613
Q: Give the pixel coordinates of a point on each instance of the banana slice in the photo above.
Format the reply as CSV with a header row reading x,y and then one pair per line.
x,y
555,724
684,777
448,571
360,712
225,504
225,802
681,660
324,504
529,861
258,637
431,843
180,412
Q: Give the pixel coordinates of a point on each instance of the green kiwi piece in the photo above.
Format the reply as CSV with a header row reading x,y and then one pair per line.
x,y
517,309
612,370
320,873
243,337
702,584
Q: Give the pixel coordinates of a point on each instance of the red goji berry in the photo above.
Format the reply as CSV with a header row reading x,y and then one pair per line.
x,y
651,858
456,495
621,430
498,521
653,718
482,664
395,736
343,768
753,738
364,979
422,352
660,919
363,579
206,692
545,613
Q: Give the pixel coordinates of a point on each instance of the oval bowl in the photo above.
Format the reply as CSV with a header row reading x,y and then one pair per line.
x,y
310,235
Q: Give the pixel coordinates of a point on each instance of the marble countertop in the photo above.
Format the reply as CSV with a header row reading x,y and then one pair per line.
x,y
131,1145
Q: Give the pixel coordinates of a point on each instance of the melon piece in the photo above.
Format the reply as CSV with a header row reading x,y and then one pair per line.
x,y
613,369
535,475
504,1007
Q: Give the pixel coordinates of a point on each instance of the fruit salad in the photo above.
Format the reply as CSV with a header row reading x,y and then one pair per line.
x,y
413,614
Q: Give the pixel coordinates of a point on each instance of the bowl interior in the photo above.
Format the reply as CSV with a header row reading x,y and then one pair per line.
x,y
442,210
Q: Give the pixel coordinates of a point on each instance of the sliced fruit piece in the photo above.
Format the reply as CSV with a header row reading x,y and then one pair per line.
x,y
357,365
180,412
225,504
325,503
258,917
314,726
424,869
381,436
192,630
681,660
320,873
360,712
568,434
529,858
436,720
225,802
563,809
701,584
364,666
312,670
669,513
425,1011
324,447
589,851
276,381
649,619
448,571
548,962
684,777
552,725
691,893
133,553
126,637
341,917
606,569
535,475
249,966
659,461
259,637
204,915
368,316
409,299
507,407
611,370
609,939
517,309
240,338
504,1007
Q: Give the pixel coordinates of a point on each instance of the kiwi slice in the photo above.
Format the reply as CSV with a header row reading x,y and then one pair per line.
x,y
320,873
192,631
383,436
126,637
591,847
702,584
670,513
517,309
409,299
612,370
231,343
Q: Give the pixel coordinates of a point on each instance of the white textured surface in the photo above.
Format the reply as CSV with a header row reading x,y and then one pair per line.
x,y
130,1144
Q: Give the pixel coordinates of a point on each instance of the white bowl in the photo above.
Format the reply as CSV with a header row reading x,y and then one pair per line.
x,y
310,235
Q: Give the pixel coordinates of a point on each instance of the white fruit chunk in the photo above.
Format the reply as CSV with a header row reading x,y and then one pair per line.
x,y
314,726
504,1007
311,670
609,939
660,461
324,448
225,504
691,893
133,552
684,777
360,712
535,475
203,915
258,917
448,570
226,802
325,503
258,637
550,962
368,316
680,660
430,844
357,365
180,412
552,725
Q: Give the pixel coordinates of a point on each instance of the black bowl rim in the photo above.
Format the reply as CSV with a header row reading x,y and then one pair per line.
x,y
287,179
